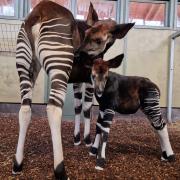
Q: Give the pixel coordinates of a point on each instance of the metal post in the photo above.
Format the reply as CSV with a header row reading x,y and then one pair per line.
x,y
171,75
170,87
126,19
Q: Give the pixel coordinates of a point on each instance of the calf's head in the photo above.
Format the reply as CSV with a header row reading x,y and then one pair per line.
x,y
100,71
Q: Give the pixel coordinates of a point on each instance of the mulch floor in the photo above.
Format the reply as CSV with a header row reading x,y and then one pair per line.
x,y
133,151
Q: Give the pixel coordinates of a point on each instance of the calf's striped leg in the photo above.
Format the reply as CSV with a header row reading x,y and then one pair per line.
x,y
95,146
78,108
89,91
151,108
105,129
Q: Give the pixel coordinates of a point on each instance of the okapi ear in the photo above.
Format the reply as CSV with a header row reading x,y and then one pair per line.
x,y
120,30
92,16
115,62
76,40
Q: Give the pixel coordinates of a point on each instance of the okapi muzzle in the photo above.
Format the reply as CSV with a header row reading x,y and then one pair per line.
x,y
100,72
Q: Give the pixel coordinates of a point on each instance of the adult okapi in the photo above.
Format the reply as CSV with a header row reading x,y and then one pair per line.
x,y
125,94
49,37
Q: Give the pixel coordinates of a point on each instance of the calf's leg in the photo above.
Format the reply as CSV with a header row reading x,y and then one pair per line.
x,y
95,146
150,106
105,129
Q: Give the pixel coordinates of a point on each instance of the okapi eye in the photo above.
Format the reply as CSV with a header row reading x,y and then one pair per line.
x,y
98,41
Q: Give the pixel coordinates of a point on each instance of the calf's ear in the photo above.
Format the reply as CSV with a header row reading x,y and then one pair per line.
x,y
115,62
92,17
120,30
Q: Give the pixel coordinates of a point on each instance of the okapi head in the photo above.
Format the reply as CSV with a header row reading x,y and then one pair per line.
x,y
100,71
102,34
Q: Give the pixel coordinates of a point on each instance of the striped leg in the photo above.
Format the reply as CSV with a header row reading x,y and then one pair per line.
x,y
54,112
105,129
151,108
95,146
78,108
27,81
55,52
89,91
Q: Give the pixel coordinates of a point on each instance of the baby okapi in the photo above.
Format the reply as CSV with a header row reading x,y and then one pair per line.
x,y
125,95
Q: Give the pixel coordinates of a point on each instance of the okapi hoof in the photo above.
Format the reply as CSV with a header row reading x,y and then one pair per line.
x,y
60,173
17,168
100,164
77,140
87,140
93,151
170,158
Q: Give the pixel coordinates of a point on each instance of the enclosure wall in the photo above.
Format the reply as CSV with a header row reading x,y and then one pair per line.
x,y
147,54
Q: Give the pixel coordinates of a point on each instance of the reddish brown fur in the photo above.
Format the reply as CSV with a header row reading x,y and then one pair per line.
x,y
100,67
47,10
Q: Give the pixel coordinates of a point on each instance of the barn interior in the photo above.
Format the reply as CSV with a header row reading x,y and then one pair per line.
x,y
152,50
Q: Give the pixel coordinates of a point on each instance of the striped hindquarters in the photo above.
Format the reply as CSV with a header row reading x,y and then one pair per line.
x,y
150,106
55,52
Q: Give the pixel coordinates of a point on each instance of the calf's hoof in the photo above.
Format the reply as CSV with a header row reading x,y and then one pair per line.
x,y
100,164
77,140
87,141
60,173
93,151
17,168
166,158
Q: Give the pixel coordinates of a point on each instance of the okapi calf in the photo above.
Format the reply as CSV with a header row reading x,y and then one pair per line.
x,y
125,95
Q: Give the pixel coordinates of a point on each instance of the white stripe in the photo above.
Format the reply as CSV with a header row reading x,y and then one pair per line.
x,y
59,18
25,89
59,102
101,114
23,70
57,59
87,105
109,122
24,75
25,82
97,140
55,72
23,63
57,64
103,153
103,128
59,80
49,36
77,102
55,43
86,126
